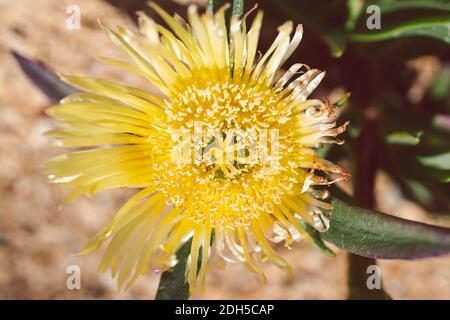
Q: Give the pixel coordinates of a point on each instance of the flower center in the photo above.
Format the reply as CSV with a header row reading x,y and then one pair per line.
x,y
225,128
231,151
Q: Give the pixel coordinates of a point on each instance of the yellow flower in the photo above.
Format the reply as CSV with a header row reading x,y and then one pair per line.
x,y
229,150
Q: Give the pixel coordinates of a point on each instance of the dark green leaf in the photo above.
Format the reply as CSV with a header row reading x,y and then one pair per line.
x,y
377,235
433,197
342,100
45,79
354,9
404,138
438,161
173,285
441,86
437,174
213,5
435,27
420,192
238,8
319,17
323,151
318,243
395,5
336,41
412,169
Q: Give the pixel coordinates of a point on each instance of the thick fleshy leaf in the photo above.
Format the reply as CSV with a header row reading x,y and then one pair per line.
x,y
404,138
438,161
424,143
377,235
437,27
435,198
45,79
427,171
441,87
337,41
342,100
318,243
238,7
354,9
395,5
173,285
420,192
213,5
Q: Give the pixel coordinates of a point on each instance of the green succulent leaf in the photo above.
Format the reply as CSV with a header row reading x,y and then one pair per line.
x,y
423,168
377,235
395,5
238,7
437,27
438,161
354,9
420,192
404,138
44,78
318,243
343,100
432,197
441,87
173,285
213,5
336,41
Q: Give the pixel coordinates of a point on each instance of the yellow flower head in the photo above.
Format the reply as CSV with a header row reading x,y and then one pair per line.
x,y
228,151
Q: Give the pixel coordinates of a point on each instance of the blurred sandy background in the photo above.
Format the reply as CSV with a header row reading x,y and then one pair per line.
x,y
37,239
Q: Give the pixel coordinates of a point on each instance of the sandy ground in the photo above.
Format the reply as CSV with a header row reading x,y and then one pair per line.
x,y
37,240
